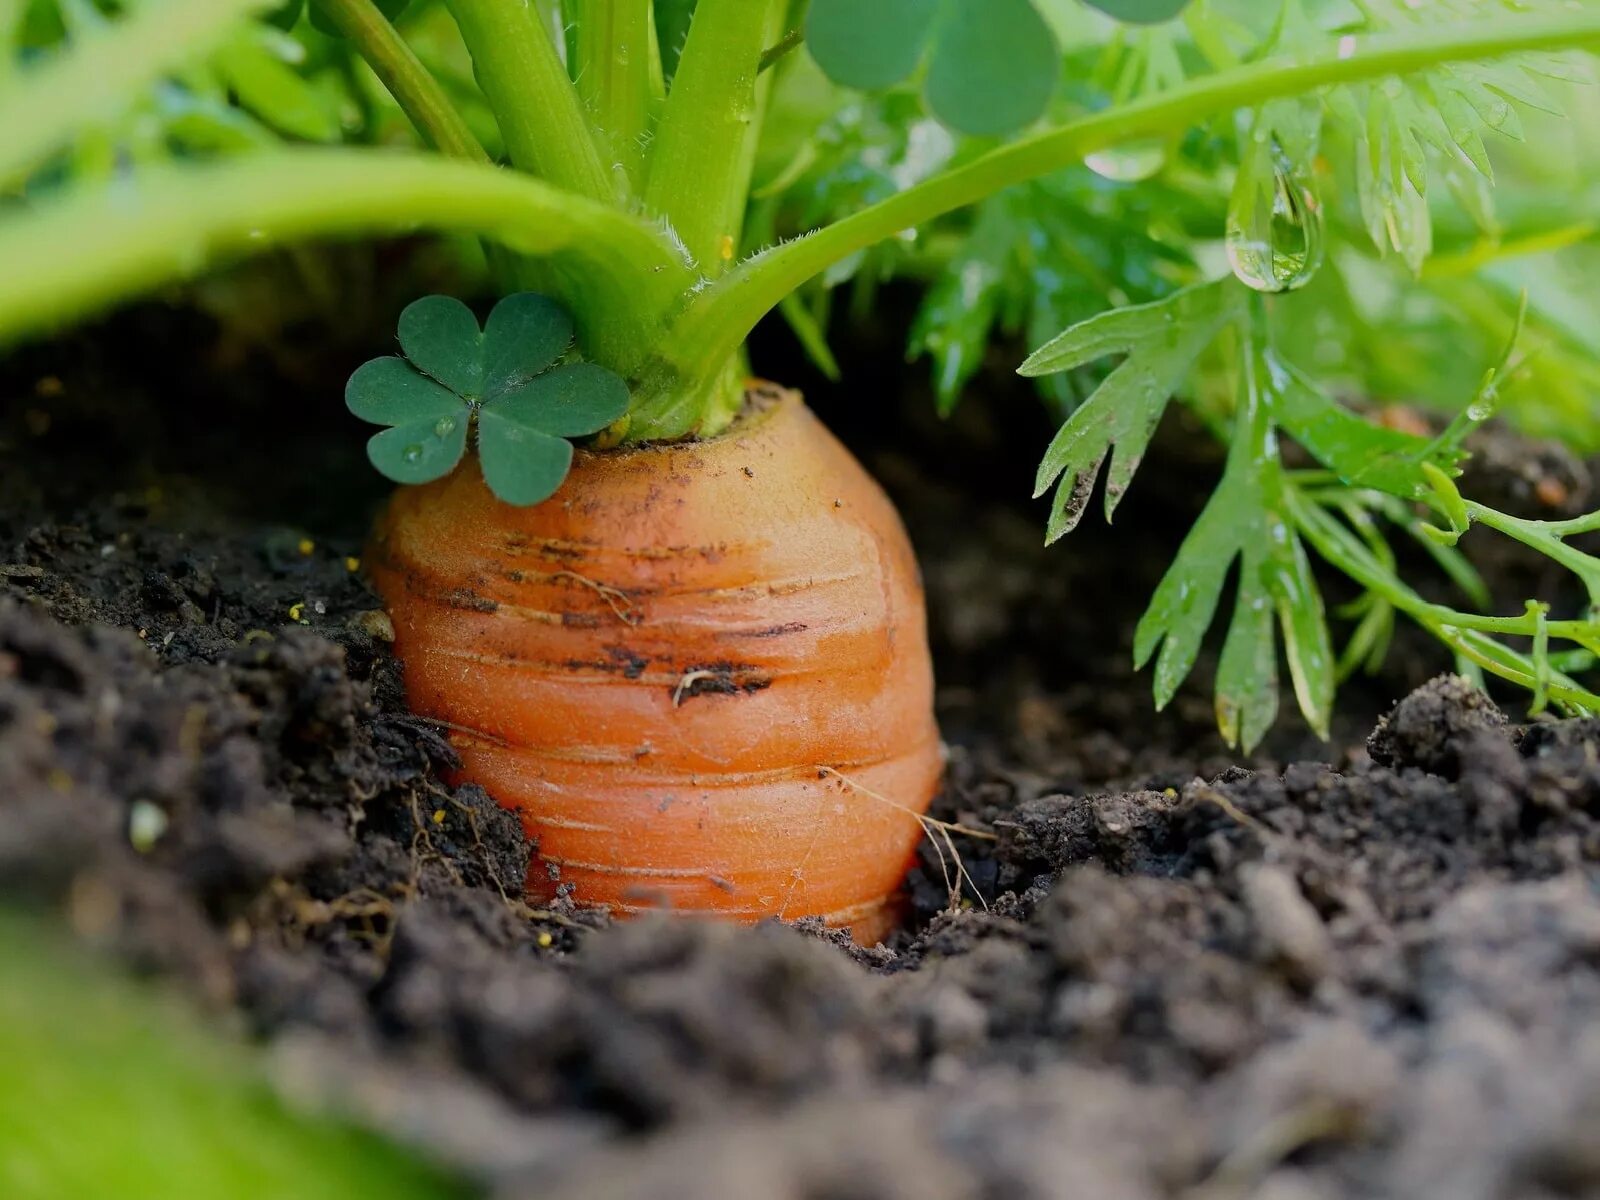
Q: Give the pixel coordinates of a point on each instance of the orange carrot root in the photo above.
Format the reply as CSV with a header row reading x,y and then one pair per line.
x,y
650,667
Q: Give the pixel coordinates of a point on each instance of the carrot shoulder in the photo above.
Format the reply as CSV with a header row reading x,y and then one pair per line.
x,y
699,672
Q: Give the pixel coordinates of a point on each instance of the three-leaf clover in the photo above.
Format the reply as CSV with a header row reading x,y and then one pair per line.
x,y
992,64
502,377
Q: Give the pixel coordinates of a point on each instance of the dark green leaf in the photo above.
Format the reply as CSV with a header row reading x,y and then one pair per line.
x,y
570,401
1360,453
525,334
1305,626
421,451
286,15
673,18
993,67
1247,672
868,45
1141,12
1186,599
521,465
441,338
389,8
388,391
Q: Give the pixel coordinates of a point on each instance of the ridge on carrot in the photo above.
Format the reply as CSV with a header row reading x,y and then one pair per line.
x,y
706,617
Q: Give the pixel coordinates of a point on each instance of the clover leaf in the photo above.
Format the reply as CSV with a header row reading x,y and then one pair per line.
x,y
503,377
992,64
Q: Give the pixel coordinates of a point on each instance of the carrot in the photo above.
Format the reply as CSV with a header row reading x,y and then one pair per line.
x,y
699,672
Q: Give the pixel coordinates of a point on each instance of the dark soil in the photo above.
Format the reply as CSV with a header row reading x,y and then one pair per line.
x,y
1364,968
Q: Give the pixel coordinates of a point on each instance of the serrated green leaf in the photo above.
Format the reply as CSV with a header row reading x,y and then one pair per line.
x,y
1185,601
1141,12
1306,642
868,46
1360,453
521,465
993,66
571,401
270,90
1512,82
811,335
1118,330
389,391
440,336
421,451
1247,672
389,8
1162,340
673,18
958,314
525,333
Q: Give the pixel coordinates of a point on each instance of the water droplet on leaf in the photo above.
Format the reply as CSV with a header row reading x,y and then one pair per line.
x,y
443,427
1131,162
412,453
1275,231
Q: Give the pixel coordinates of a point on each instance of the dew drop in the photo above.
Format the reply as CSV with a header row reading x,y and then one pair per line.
x,y
1275,231
1131,162
444,427
412,453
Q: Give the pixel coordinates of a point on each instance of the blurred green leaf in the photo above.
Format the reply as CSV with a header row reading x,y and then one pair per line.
x,y
993,66
111,1091
271,90
868,46
1141,12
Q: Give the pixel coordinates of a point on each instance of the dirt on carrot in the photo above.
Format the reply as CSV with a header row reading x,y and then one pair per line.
x,y
1353,969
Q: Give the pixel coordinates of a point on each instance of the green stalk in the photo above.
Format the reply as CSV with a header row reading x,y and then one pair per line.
x,y
416,91
540,116
701,158
613,72
41,108
1467,634
74,255
721,316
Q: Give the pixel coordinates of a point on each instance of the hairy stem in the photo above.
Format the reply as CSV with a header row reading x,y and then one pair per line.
x,y
416,91
613,73
700,161
540,115
41,108
722,315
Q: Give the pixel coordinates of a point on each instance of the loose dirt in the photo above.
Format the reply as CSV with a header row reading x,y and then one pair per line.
x,y
1363,968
